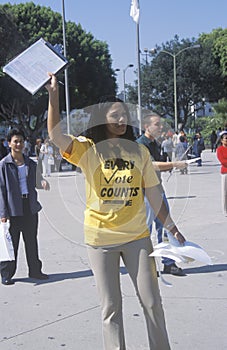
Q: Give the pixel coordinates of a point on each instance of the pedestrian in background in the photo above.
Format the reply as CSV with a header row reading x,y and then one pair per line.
x,y
197,147
27,147
167,148
213,139
222,157
57,159
39,155
47,153
152,126
181,152
118,171
175,139
19,205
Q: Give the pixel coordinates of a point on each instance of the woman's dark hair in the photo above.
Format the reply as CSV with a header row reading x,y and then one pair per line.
x,y
97,125
15,132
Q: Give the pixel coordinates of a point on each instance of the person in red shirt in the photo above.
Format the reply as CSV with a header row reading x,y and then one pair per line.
x,y
222,157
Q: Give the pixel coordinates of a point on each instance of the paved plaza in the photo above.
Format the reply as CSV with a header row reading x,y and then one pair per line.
x,y
63,312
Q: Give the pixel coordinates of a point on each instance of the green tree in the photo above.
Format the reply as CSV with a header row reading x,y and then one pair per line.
x,y
220,113
198,76
214,122
216,42
90,73
8,30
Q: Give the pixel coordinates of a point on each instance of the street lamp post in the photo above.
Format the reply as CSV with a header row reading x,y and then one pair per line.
x,y
124,71
67,102
175,90
174,55
147,53
115,71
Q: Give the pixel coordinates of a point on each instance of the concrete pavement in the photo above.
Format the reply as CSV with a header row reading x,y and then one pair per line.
x,y
63,312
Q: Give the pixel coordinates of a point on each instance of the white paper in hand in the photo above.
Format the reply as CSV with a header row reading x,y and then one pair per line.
x,y
187,252
6,245
30,68
193,160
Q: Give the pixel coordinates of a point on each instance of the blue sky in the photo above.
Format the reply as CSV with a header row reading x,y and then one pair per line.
x,y
109,20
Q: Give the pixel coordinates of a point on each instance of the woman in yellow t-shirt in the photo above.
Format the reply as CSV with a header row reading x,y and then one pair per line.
x,y
118,174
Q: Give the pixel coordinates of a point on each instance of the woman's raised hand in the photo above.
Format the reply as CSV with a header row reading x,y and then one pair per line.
x,y
52,86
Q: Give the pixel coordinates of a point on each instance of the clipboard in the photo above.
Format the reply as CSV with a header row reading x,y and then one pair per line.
x,y
30,68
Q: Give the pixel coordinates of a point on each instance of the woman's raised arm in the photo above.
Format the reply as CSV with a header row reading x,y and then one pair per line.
x,y
64,142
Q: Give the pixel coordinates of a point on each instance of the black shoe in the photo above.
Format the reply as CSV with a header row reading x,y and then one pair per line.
x,y
39,276
7,281
173,269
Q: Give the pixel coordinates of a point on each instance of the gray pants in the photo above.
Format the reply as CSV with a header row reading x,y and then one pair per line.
x,y
105,264
224,192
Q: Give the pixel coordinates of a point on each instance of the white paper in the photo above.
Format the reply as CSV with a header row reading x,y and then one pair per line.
x,y
187,252
30,68
6,244
193,160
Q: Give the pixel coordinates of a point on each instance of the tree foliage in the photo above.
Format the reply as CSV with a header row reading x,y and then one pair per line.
x,y
210,123
90,73
216,42
198,76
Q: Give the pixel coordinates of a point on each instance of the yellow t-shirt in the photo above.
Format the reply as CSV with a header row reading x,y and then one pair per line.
x,y
115,211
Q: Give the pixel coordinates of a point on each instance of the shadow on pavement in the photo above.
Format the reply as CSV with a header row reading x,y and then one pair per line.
x,y
181,197
206,269
56,277
213,165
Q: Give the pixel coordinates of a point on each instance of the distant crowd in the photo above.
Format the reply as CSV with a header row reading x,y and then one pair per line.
x,y
172,145
179,146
